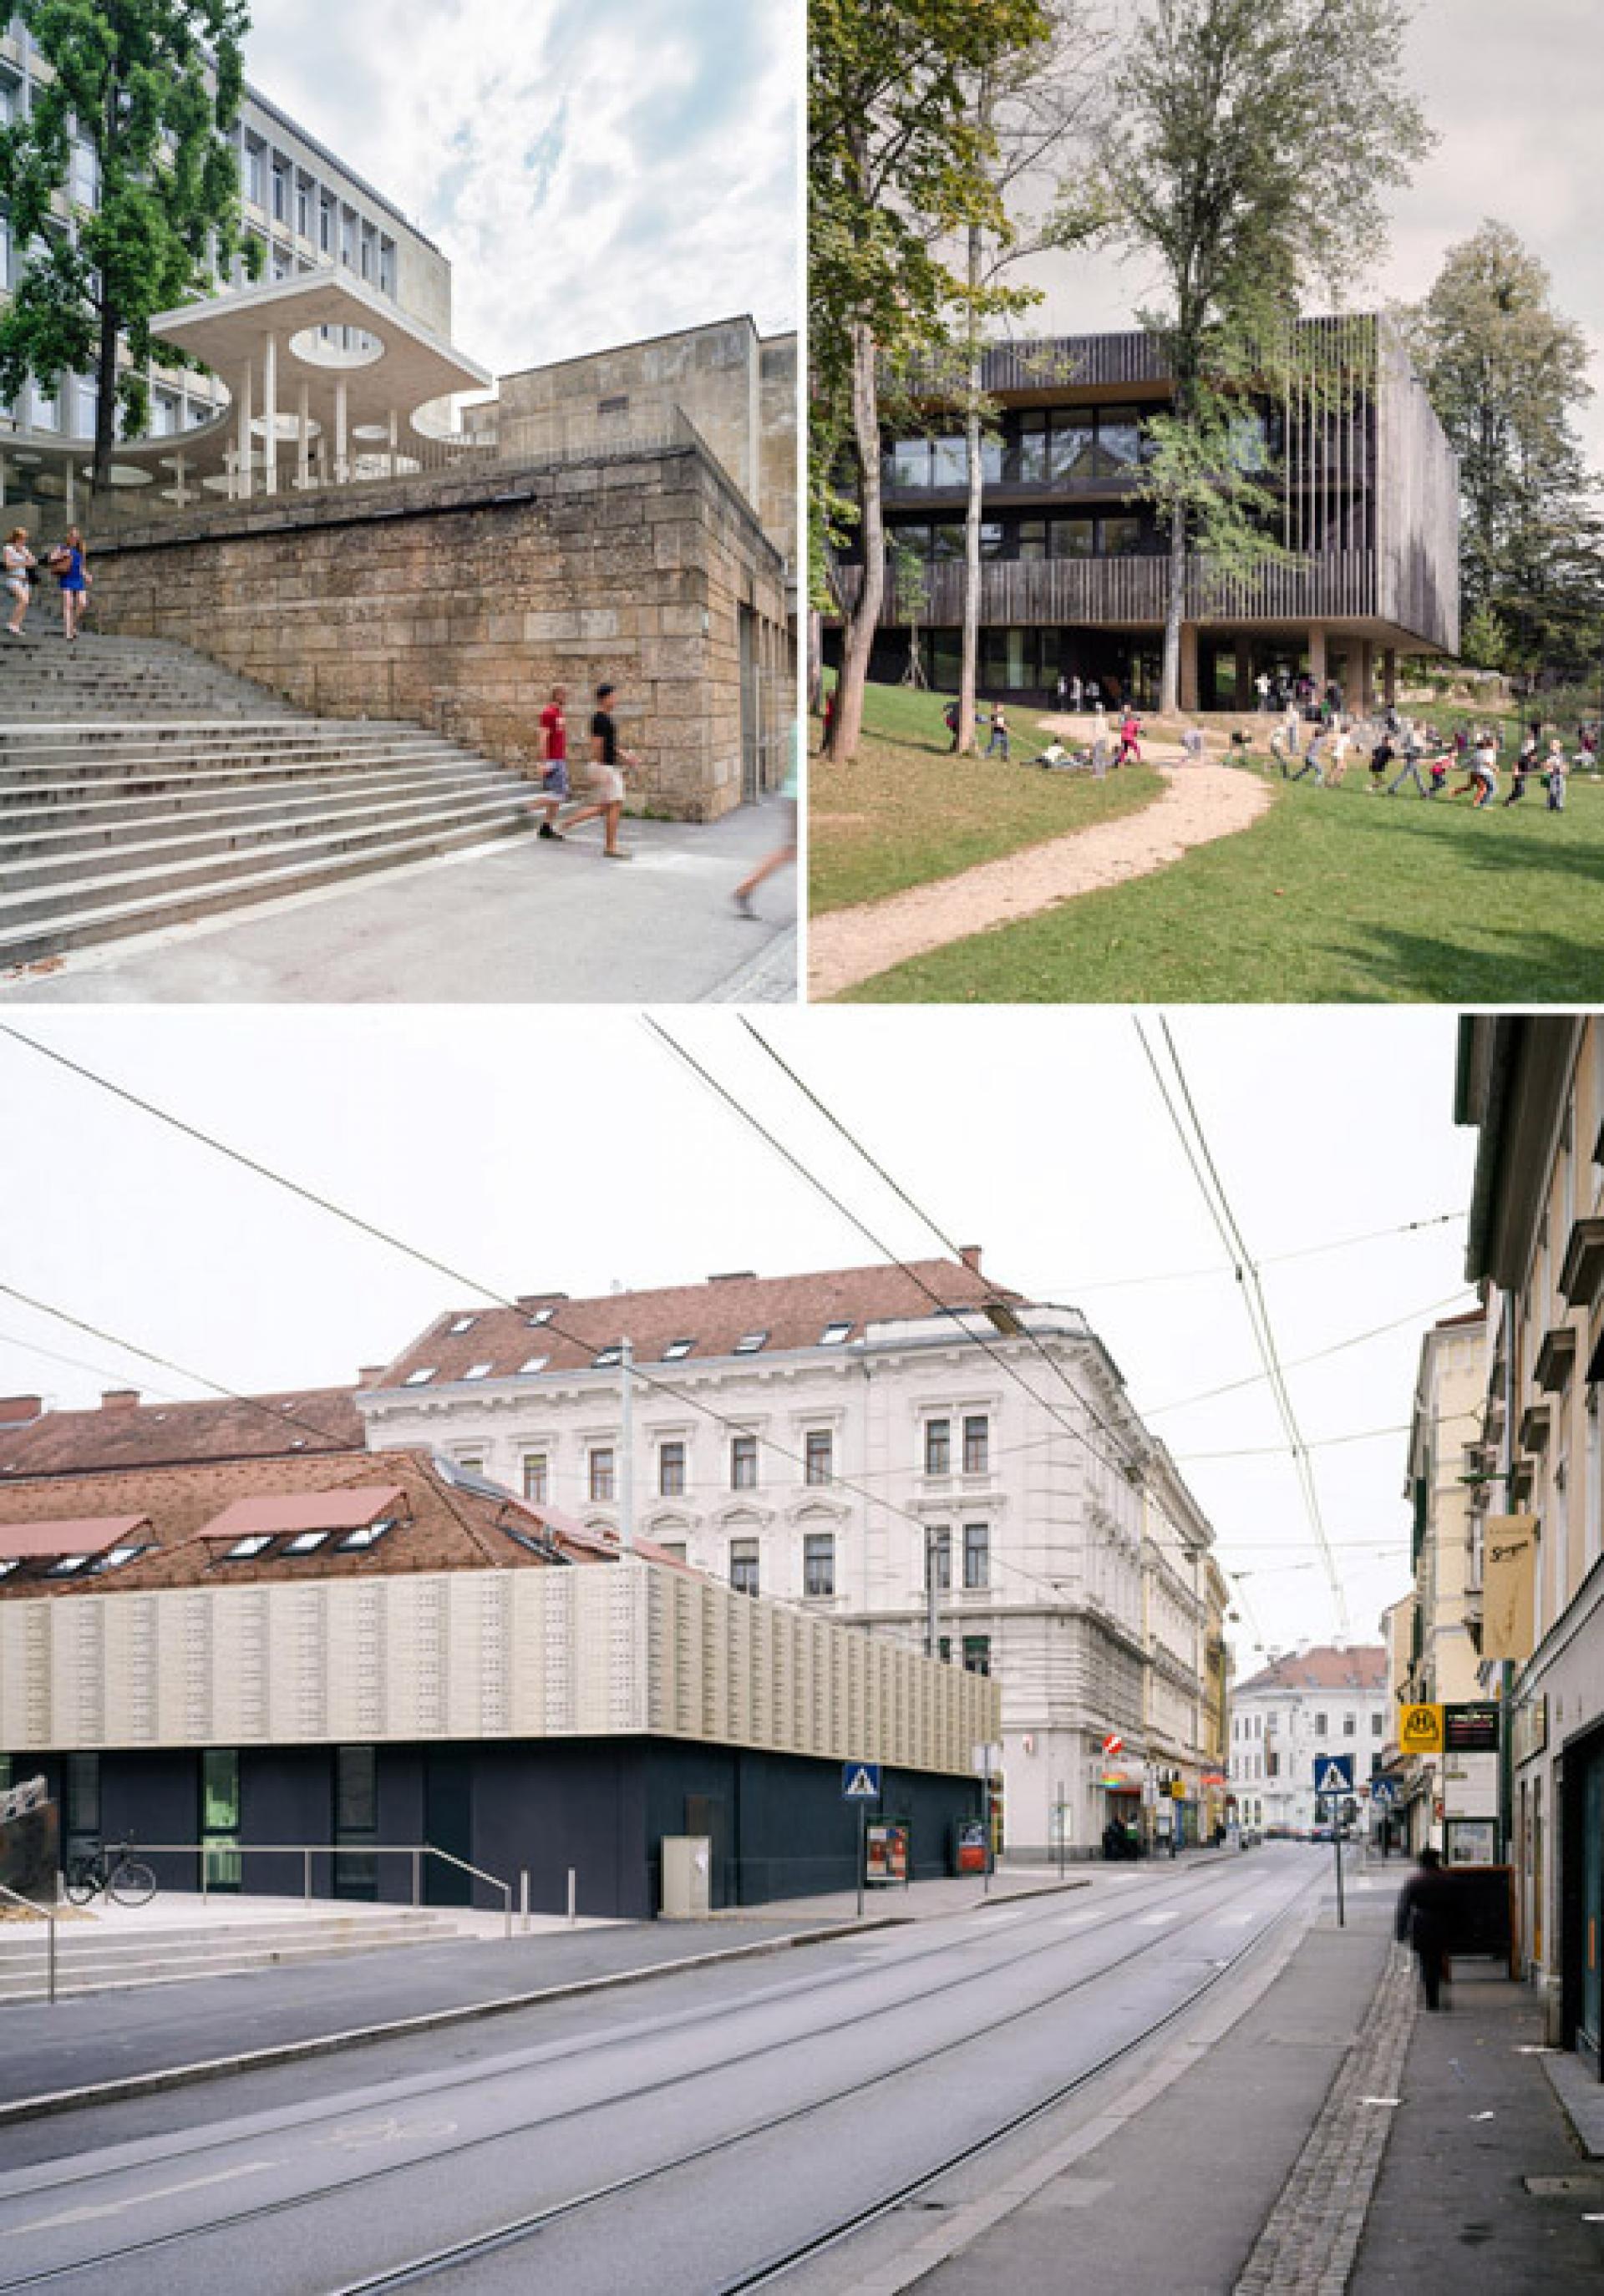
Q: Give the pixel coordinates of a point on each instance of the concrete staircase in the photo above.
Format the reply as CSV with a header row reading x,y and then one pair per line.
x,y
142,786
92,1959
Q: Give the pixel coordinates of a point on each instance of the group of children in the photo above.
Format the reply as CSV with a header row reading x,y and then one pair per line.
x,y
1399,744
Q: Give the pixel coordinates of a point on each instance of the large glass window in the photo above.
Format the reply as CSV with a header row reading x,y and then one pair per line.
x,y
1008,661
281,192
977,1653
1119,440
256,170
1026,465
978,1440
85,173
938,1558
1122,538
819,1447
355,1820
950,462
220,1816
1074,537
535,1480
1071,456
819,1562
603,1482
908,463
1032,540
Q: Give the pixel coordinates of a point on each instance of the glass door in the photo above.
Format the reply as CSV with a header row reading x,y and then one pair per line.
x,y
222,1864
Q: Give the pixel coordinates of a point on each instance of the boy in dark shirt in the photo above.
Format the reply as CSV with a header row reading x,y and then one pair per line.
x,y
606,777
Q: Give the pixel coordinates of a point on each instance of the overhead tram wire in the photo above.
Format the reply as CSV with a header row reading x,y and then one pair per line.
x,y
1213,1190
1275,1258
440,1266
1319,1355
1125,1465
939,1234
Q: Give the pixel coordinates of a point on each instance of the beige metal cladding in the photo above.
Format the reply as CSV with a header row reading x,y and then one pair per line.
x,y
611,1650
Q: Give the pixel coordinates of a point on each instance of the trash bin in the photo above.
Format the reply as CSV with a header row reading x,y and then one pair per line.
x,y
688,1877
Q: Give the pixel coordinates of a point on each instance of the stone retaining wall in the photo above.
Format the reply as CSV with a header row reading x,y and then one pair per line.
x,y
456,600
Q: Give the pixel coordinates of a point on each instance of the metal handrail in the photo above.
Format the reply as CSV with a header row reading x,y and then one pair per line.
x,y
33,1907
307,1851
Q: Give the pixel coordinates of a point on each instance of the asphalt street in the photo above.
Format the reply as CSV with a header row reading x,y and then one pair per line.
x,y
677,2138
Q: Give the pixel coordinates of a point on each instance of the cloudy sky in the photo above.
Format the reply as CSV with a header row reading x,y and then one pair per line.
x,y
597,170
1517,99
544,1151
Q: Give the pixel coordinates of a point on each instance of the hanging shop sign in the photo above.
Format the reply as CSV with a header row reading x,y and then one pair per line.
x,y
1509,1573
1471,1728
1421,1729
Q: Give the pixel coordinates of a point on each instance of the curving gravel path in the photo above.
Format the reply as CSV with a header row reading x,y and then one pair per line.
x,y
1200,804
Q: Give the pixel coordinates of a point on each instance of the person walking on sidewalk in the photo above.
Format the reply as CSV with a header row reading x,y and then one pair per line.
x,y
554,761
608,761
67,562
19,562
1423,1921
781,854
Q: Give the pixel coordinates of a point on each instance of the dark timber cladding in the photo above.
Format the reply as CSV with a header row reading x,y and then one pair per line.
x,y
1075,571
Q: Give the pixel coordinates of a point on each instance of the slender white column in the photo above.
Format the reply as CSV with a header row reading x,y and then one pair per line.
x,y
180,472
2,482
303,440
72,490
395,434
342,466
242,480
270,412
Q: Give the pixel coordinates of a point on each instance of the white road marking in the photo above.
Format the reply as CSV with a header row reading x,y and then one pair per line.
x,y
392,2131
1073,1920
1153,1921
141,2200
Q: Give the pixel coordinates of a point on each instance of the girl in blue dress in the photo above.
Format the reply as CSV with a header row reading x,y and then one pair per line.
x,y
67,563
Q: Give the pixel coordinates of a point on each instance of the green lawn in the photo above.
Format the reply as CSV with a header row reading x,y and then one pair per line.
x,y
1333,895
905,811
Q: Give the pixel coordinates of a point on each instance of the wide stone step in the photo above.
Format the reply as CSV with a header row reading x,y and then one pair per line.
x,y
183,740
77,817
128,778
113,919
158,1965
44,860
167,870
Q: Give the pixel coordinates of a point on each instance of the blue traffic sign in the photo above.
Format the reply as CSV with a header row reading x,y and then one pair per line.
x,y
860,1780
1334,1774
1383,1790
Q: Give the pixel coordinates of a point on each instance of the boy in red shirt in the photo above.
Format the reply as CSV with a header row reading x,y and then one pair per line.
x,y
554,759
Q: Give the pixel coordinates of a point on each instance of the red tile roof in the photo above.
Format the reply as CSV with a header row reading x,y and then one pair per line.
x,y
792,1310
1324,1667
160,1434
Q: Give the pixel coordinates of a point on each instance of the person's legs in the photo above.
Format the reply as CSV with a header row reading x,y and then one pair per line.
x,y
614,810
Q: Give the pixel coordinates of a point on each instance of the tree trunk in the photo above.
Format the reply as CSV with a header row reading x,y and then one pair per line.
x,y
105,410
969,670
859,626
1175,609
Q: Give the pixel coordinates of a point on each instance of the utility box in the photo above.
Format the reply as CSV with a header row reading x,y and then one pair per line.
x,y
688,1877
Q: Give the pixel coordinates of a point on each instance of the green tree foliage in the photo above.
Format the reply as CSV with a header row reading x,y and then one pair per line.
x,y
1507,375
896,174
1248,148
152,87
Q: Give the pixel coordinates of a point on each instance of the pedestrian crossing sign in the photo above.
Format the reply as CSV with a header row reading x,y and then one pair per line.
x,y
860,1780
1334,1774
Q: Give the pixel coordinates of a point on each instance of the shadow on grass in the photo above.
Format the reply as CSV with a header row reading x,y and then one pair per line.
x,y
1525,967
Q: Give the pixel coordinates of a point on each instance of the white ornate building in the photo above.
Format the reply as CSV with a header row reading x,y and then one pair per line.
x,y
1330,1699
841,1439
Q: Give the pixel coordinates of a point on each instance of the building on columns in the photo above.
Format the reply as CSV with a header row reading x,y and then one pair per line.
x,y
1074,573
854,1441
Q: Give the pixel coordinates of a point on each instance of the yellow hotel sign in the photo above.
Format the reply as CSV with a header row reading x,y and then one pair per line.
x,y
1420,1730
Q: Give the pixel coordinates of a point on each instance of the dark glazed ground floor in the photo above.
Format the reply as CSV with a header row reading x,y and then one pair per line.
x,y
777,1823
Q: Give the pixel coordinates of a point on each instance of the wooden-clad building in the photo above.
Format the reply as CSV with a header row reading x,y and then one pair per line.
x,y
1074,577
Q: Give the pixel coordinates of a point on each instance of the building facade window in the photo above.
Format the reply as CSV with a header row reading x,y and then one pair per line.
x,y
977,1554
1350,1725
281,192
818,1563
535,1480
1376,1722
977,1653
938,1559
1320,1725
256,171
977,1445
670,1471
603,1479
938,1446
818,1453
744,1463
744,1565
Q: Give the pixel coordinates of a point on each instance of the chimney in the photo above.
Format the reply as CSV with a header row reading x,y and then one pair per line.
x,y
969,1253
735,1275
17,1410
119,1398
370,1375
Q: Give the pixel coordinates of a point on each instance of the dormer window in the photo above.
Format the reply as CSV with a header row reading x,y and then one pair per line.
x,y
750,1343
306,1542
834,1335
67,1566
419,1378
118,1556
368,1534
677,1351
461,1324
8,1564
542,1316
244,1549
478,1371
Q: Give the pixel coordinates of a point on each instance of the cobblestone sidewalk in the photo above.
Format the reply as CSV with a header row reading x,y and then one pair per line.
x,y
1312,2235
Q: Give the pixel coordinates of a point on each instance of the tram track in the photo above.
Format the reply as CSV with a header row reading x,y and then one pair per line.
x,y
470,2248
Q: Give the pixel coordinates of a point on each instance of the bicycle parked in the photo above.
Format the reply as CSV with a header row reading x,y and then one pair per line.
x,y
117,1874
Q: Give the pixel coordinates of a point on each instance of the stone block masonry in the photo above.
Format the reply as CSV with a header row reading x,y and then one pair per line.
x,y
455,600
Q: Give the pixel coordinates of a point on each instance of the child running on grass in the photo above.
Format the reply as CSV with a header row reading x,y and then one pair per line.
x,y
1554,774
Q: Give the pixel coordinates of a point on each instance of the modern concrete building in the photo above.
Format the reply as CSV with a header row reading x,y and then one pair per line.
x,y
1330,1698
855,1441
1534,1089
1075,571
256,1660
